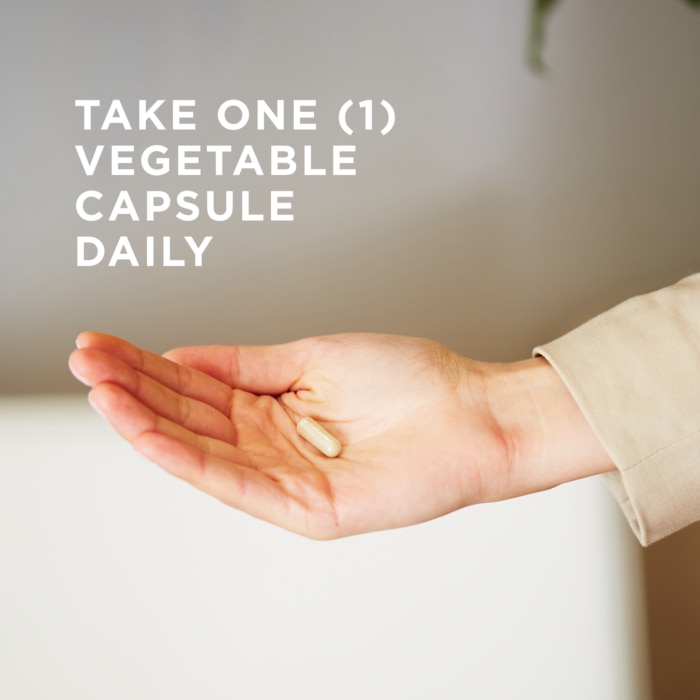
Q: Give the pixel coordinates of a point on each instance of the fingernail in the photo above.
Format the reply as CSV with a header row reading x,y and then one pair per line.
x,y
80,378
77,374
95,407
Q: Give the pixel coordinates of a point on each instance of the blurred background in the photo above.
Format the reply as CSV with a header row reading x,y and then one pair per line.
x,y
503,209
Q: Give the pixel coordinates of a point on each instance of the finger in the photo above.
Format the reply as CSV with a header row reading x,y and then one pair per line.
x,y
131,418
237,485
262,369
97,367
181,379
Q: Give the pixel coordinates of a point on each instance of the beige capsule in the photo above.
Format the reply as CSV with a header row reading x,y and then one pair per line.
x,y
319,437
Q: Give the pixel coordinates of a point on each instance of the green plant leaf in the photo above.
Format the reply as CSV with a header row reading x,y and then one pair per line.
x,y
539,13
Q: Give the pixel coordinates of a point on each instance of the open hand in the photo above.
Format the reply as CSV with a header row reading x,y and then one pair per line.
x,y
424,430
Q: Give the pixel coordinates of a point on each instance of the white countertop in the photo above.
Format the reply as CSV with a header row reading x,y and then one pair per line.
x,y
121,582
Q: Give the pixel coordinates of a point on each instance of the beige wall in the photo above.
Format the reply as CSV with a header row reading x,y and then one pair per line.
x,y
502,209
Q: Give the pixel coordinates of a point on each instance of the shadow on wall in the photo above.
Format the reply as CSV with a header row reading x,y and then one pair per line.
x,y
672,576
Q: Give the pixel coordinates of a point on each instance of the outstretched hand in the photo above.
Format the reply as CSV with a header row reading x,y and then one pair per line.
x,y
424,430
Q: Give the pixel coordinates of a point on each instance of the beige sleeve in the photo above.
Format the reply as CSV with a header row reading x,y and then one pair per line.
x,y
635,373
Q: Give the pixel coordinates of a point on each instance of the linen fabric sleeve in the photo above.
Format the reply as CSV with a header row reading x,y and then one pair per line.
x,y
635,373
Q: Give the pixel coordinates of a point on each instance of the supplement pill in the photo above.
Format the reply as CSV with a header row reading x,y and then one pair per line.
x,y
319,437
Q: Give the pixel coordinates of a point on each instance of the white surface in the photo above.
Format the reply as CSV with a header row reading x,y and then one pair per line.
x,y
120,582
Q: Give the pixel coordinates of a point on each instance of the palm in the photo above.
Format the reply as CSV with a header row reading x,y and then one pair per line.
x,y
224,420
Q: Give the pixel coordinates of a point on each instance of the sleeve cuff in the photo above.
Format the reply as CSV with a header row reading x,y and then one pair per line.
x,y
635,373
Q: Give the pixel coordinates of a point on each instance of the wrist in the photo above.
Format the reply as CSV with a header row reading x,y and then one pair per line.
x,y
547,439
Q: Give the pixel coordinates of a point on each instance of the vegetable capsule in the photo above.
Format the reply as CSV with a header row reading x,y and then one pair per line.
x,y
319,437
